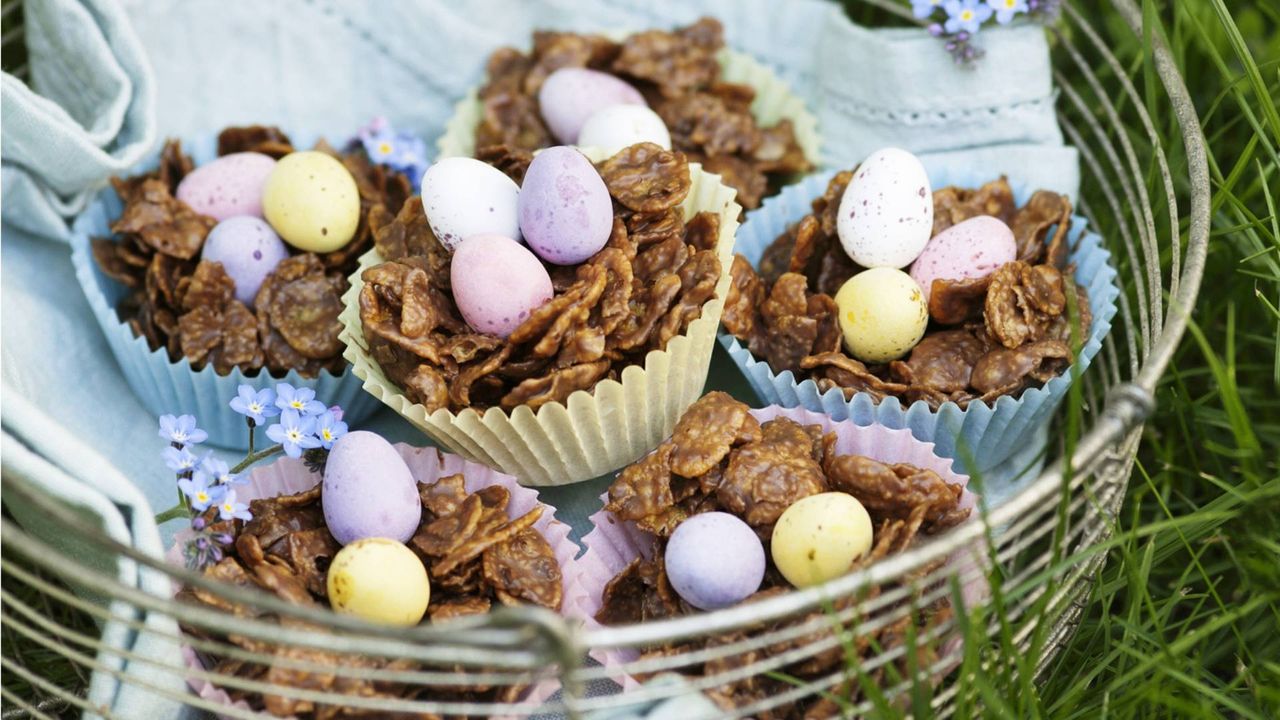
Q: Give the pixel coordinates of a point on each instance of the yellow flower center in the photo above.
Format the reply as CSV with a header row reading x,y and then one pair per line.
x,y
226,507
294,435
1010,4
202,497
297,404
384,148
327,435
966,15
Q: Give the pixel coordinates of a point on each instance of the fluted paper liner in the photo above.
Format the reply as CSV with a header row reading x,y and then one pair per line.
x,y
287,476
596,430
164,386
991,434
612,544
773,102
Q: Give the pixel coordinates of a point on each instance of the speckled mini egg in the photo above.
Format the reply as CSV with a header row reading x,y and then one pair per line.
x,y
886,212
312,202
368,490
570,95
566,214
464,197
819,537
618,126
229,186
714,560
380,580
248,249
883,314
974,248
497,282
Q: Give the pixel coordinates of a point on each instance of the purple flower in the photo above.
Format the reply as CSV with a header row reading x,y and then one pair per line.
x,y
200,492
329,428
256,405
401,151
181,430
966,15
924,8
216,472
179,460
301,400
229,509
294,432
1005,10
337,412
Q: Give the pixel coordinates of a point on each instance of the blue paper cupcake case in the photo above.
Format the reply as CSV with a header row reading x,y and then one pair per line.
x,y
164,386
992,435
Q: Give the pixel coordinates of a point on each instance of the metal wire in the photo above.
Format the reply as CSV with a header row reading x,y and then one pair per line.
x,y
1048,541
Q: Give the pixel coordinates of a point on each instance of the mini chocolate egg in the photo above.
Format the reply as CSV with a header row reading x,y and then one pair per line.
x,y
464,197
571,95
248,249
619,126
886,212
883,314
497,282
974,248
227,187
368,490
819,537
312,201
714,560
380,580
566,213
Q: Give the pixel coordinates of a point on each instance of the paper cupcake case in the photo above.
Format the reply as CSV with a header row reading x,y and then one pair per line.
x,y
595,431
287,476
774,101
992,434
164,386
613,544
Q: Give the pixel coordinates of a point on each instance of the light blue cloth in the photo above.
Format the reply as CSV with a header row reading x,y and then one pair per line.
x,y
95,107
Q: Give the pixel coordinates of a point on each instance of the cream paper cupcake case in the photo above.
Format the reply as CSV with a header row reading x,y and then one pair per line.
x,y
595,431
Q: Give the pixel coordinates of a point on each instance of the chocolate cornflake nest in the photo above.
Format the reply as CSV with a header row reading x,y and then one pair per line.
x,y
720,458
644,288
187,306
677,72
987,337
476,557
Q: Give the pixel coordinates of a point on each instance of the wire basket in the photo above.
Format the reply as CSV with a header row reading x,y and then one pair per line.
x,y
1068,509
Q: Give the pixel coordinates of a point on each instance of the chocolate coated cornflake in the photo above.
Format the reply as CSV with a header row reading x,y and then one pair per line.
x,y
678,73
785,315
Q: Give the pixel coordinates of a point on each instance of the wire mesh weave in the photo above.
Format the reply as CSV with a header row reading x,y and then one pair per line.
x,y
1030,535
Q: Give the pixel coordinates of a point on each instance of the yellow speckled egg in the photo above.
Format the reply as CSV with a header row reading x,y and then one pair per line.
x,y
883,314
819,537
379,580
311,200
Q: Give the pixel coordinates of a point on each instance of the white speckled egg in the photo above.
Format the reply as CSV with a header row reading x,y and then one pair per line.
x,y
227,187
620,126
974,248
312,201
570,95
886,212
883,314
464,197
368,490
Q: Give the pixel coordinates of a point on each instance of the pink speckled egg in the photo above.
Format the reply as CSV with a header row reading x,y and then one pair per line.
x,y
566,214
248,249
497,282
974,248
571,95
229,186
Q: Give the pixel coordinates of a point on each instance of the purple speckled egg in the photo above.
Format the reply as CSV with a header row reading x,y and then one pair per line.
x,y
571,95
497,282
229,186
368,490
248,249
714,560
973,248
566,214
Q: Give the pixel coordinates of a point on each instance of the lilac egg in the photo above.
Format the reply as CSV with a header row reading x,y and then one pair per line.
x,y
248,249
566,214
973,248
368,490
571,95
714,560
229,186
497,282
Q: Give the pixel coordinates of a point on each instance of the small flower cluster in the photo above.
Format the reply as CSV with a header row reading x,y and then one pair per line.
x,y
305,423
960,20
401,151
205,482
